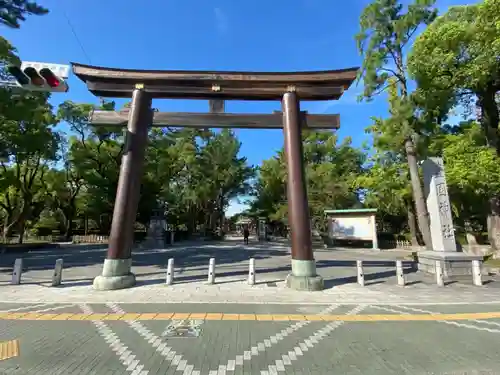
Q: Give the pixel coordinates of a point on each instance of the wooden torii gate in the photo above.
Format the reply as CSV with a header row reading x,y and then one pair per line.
x,y
144,85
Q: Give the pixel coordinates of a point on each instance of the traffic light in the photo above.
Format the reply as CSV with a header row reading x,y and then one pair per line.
x,y
35,76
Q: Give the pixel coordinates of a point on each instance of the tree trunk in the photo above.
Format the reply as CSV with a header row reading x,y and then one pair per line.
x,y
22,230
68,232
418,195
412,225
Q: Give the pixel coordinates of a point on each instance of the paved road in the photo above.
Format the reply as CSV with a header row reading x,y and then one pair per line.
x,y
147,339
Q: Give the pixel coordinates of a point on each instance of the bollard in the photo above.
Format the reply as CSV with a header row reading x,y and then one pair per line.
x,y
172,237
400,273
211,271
17,271
477,279
251,272
170,272
439,274
361,276
57,276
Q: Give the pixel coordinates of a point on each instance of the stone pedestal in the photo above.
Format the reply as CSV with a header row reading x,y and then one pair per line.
x,y
304,277
453,264
115,275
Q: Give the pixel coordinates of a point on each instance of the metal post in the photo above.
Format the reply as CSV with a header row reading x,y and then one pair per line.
x,y
374,233
439,274
251,272
116,272
211,271
17,271
477,278
57,276
303,276
172,237
361,275
400,273
170,271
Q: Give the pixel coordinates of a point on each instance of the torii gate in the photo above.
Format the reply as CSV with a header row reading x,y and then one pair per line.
x,y
144,85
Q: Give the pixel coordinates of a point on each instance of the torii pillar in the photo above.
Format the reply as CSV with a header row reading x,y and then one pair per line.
x,y
116,272
303,275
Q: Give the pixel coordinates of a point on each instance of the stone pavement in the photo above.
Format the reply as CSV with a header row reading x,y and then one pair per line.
x,y
272,262
198,340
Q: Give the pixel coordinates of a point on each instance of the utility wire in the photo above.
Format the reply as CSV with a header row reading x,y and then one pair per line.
x,y
73,31
76,36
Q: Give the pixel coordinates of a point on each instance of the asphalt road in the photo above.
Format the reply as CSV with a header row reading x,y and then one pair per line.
x,y
210,339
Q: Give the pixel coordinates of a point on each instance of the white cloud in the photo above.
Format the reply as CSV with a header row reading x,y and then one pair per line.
x,y
220,20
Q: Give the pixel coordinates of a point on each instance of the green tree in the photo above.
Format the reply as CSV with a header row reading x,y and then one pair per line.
x,y
386,32
455,61
29,146
14,11
331,168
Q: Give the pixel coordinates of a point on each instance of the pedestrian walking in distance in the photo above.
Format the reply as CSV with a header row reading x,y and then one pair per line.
x,y
246,234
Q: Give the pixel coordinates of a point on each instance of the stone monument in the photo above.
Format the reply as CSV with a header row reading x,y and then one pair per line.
x,y
155,238
444,246
262,229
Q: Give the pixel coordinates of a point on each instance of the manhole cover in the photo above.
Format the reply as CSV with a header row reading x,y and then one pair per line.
x,y
183,328
272,284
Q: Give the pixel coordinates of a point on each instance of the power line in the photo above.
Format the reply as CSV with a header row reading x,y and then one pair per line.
x,y
76,36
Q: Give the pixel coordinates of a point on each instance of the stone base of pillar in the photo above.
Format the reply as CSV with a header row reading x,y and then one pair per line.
x,y
453,264
304,277
115,275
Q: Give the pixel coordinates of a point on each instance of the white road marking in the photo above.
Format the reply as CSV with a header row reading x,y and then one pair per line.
x,y
126,357
307,344
41,310
27,307
260,347
157,343
449,322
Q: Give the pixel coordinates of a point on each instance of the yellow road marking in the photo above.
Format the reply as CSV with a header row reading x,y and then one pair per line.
x,y
214,316
251,317
9,349
163,316
129,317
231,317
246,317
197,316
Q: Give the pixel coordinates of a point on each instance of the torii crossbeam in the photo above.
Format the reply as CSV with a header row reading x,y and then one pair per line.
x,y
144,85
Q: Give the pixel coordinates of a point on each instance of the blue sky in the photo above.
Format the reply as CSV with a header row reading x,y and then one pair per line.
x,y
257,35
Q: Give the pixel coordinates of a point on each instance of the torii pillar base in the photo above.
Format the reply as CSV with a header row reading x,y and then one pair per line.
x,y
304,277
115,275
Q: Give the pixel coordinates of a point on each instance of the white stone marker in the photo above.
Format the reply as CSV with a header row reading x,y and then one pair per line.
x,y
17,271
438,205
58,270
476,273
400,273
211,271
170,272
361,276
439,273
251,272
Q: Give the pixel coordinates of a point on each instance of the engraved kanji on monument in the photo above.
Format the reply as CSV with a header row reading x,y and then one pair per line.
x,y
438,205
